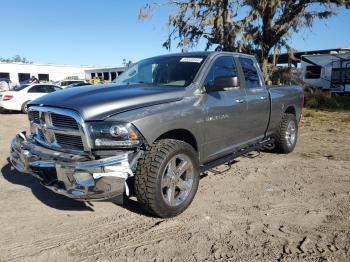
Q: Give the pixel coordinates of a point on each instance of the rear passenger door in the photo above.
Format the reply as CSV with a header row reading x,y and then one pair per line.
x,y
257,99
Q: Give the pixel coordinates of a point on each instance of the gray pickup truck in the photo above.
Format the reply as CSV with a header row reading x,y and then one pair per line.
x,y
153,130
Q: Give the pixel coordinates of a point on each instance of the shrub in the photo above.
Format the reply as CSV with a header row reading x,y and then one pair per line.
x,y
321,100
309,112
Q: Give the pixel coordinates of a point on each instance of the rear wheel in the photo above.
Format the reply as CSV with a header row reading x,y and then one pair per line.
x,y
167,177
287,135
24,108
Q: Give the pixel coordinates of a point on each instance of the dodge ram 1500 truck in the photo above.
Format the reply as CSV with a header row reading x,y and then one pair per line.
x,y
153,130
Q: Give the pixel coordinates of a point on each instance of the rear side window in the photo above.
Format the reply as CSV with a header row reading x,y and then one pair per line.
x,y
49,89
223,67
37,89
251,75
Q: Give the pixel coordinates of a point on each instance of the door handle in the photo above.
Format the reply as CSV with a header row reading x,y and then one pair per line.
x,y
240,101
262,97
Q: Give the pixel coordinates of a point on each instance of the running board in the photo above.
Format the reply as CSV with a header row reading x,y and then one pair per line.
x,y
235,154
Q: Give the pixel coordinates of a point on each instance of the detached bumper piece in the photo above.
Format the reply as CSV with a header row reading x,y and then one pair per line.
x,y
75,176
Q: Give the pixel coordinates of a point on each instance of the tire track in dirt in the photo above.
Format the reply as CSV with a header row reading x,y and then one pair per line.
x,y
280,243
113,240
101,238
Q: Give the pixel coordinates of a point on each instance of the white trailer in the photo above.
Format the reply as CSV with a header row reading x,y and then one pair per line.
x,y
327,71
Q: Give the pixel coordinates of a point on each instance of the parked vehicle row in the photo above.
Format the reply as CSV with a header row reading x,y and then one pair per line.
x,y
19,98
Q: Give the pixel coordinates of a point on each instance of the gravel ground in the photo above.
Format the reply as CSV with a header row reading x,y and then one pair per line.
x,y
267,207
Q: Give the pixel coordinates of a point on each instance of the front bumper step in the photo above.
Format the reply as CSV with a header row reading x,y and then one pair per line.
x,y
75,176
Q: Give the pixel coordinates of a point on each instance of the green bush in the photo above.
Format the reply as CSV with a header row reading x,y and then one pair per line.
x,y
322,100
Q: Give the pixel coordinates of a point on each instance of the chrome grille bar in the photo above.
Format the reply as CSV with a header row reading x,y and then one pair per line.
x,y
69,141
60,129
64,121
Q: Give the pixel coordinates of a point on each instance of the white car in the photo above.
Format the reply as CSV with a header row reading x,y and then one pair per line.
x,y
22,95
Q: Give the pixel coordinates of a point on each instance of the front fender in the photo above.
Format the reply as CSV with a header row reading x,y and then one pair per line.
x,y
154,121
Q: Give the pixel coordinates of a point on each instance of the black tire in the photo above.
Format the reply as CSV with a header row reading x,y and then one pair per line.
x,y
151,171
24,107
283,144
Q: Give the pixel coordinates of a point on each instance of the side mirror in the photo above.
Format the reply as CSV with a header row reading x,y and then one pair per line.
x,y
220,83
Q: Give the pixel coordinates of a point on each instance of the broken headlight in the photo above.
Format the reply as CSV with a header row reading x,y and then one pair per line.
x,y
106,135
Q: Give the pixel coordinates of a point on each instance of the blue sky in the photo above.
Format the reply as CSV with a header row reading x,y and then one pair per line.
x,y
88,32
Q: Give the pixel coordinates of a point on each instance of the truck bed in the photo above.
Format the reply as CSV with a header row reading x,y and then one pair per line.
x,y
283,97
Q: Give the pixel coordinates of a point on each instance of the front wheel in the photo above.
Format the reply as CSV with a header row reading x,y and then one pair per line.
x,y
24,108
287,134
167,177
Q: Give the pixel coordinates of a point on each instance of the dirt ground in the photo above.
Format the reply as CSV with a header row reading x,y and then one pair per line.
x,y
270,207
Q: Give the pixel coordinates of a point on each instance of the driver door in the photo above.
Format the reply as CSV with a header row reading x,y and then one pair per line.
x,y
225,111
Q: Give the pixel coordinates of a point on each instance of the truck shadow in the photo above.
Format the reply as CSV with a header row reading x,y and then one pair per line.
x,y
10,112
58,201
43,194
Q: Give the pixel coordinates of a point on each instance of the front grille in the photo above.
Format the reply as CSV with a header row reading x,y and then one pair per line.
x,y
57,129
34,116
64,121
69,141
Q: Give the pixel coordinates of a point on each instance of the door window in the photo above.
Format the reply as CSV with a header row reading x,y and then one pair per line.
x,y
223,67
49,89
251,75
37,89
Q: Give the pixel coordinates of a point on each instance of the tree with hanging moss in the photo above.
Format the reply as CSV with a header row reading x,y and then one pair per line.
x,y
261,28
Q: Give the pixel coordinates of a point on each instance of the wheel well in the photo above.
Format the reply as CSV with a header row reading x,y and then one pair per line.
x,y
290,110
24,104
182,135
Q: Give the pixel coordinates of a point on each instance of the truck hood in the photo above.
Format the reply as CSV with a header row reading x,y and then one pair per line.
x,y
98,102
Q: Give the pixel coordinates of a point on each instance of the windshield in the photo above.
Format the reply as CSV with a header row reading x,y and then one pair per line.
x,y
163,71
19,88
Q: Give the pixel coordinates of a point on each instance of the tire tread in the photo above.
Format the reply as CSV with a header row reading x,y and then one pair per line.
x,y
147,172
280,142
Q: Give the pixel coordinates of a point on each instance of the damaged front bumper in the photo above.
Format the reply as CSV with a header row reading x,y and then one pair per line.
x,y
72,175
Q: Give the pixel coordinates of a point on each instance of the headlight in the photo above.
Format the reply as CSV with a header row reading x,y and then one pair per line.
x,y
111,134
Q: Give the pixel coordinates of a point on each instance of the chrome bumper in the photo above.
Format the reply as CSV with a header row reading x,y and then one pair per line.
x,y
75,176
